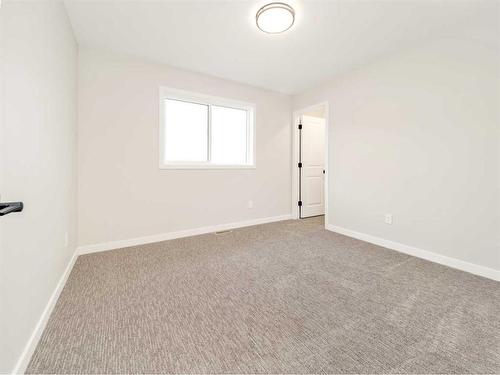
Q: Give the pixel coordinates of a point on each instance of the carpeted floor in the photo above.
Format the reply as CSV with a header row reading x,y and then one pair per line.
x,y
286,297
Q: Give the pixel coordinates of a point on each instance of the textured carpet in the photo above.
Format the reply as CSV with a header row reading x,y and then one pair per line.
x,y
286,297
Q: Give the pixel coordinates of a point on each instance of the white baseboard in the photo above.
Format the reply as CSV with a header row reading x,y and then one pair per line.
x,y
25,357
419,253
87,249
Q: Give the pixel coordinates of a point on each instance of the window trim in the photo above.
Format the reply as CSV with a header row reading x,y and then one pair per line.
x,y
209,100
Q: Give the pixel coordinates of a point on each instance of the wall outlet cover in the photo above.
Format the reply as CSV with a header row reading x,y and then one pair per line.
x,y
388,219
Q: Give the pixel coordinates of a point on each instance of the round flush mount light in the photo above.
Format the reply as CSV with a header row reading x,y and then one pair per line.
x,y
275,18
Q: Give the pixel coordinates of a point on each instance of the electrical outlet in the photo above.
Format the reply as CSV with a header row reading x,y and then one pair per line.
x,y
250,204
388,219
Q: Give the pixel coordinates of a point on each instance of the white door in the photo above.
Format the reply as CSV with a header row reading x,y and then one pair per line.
x,y
312,181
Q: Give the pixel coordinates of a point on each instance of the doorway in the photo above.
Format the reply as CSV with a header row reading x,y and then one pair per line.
x,y
310,162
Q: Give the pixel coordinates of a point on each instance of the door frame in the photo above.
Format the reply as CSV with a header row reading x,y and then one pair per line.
x,y
295,156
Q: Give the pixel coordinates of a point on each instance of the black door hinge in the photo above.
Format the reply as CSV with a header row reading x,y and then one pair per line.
x,y
300,126
300,203
300,165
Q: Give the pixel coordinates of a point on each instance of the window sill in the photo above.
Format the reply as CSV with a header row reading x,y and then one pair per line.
x,y
205,166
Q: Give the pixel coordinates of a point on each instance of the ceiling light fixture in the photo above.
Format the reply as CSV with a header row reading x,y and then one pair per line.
x,y
275,18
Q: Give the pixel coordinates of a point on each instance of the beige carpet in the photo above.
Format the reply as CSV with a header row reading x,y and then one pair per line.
x,y
287,297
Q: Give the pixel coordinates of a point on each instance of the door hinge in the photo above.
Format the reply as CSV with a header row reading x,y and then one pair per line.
x,y
300,165
300,126
300,203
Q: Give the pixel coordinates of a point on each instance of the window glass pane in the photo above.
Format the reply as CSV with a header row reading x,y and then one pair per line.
x,y
229,135
186,131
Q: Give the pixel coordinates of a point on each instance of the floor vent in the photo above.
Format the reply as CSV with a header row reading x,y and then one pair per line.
x,y
223,232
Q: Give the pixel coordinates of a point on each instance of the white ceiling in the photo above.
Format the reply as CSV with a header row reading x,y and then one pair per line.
x,y
220,38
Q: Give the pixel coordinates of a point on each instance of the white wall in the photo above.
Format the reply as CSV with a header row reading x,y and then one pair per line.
x,y
122,192
417,135
38,164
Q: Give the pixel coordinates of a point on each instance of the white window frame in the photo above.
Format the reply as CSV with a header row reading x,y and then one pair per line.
x,y
191,97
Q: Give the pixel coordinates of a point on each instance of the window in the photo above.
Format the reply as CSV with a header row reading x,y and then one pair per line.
x,y
199,131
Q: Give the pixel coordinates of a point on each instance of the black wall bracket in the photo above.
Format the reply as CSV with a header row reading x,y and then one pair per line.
x,y
9,207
